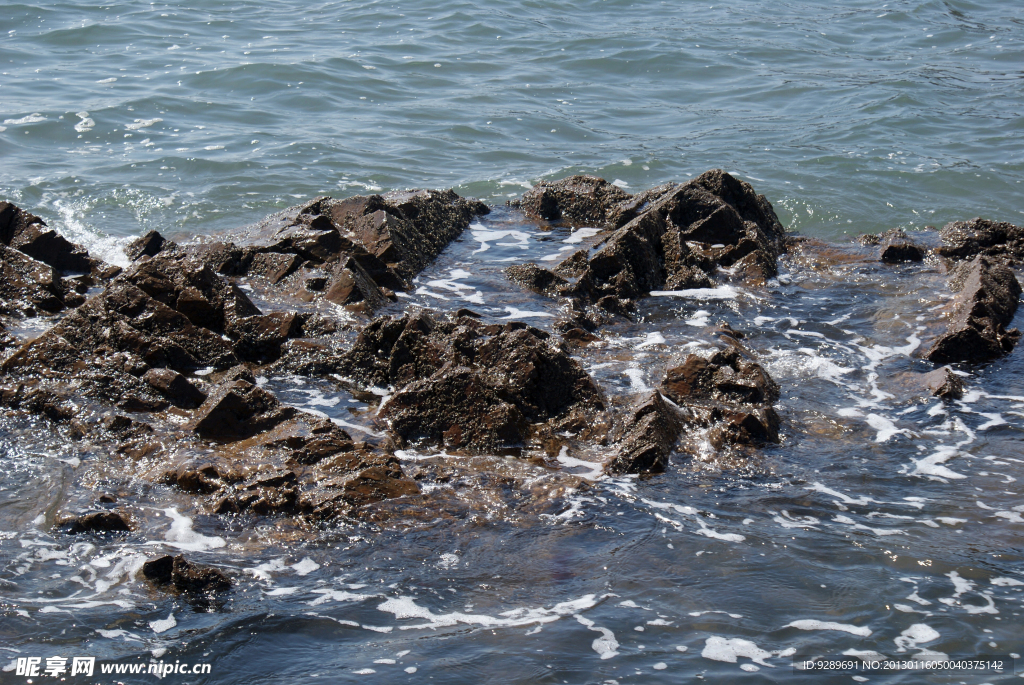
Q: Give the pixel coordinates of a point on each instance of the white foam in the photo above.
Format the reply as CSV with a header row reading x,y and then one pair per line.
x,y
636,379
700,319
182,536
86,123
729,650
993,421
932,465
595,472
485,236
722,292
886,428
141,124
580,233
606,646
1006,582
406,608
305,567
164,624
329,595
812,624
651,340
516,313
30,119
914,635
860,526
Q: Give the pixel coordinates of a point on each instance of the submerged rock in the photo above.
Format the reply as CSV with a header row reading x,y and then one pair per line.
x,y
93,522
944,383
986,301
967,239
185,576
895,246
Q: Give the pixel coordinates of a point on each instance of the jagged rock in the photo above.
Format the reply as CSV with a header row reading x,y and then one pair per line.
x,y
463,383
185,576
28,234
896,246
364,478
649,435
967,239
726,377
274,266
125,427
259,338
680,235
747,426
263,494
93,522
238,410
405,230
984,305
944,383
28,286
533,277
148,245
174,387
580,200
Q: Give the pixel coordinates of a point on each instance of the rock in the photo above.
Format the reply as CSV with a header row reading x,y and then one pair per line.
x,y
648,437
274,266
174,387
185,576
238,410
677,240
464,384
754,426
259,338
579,200
985,304
262,495
28,234
29,287
726,377
353,480
405,230
93,522
944,383
967,239
148,245
533,277
896,246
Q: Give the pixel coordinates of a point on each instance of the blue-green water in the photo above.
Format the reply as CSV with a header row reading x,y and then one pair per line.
x,y
850,116
885,521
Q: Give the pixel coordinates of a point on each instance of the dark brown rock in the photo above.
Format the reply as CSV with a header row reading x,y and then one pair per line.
x,y
238,410
967,239
159,569
649,434
193,578
944,383
727,376
680,235
579,200
174,387
259,338
274,266
896,246
29,234
148,245
93,522
985,304
29,287
533,277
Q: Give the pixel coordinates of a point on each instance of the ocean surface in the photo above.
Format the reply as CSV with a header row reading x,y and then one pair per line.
x,y
886,521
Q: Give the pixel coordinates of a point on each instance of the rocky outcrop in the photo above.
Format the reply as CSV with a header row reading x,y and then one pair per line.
x,y
967,239
459,382
237,410
729,393
673,237
649,434
895,246
987,297
29,234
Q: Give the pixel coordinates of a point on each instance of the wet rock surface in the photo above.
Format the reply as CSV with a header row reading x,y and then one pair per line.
x,y
185,576
986,300
674,237
968,239
894,246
